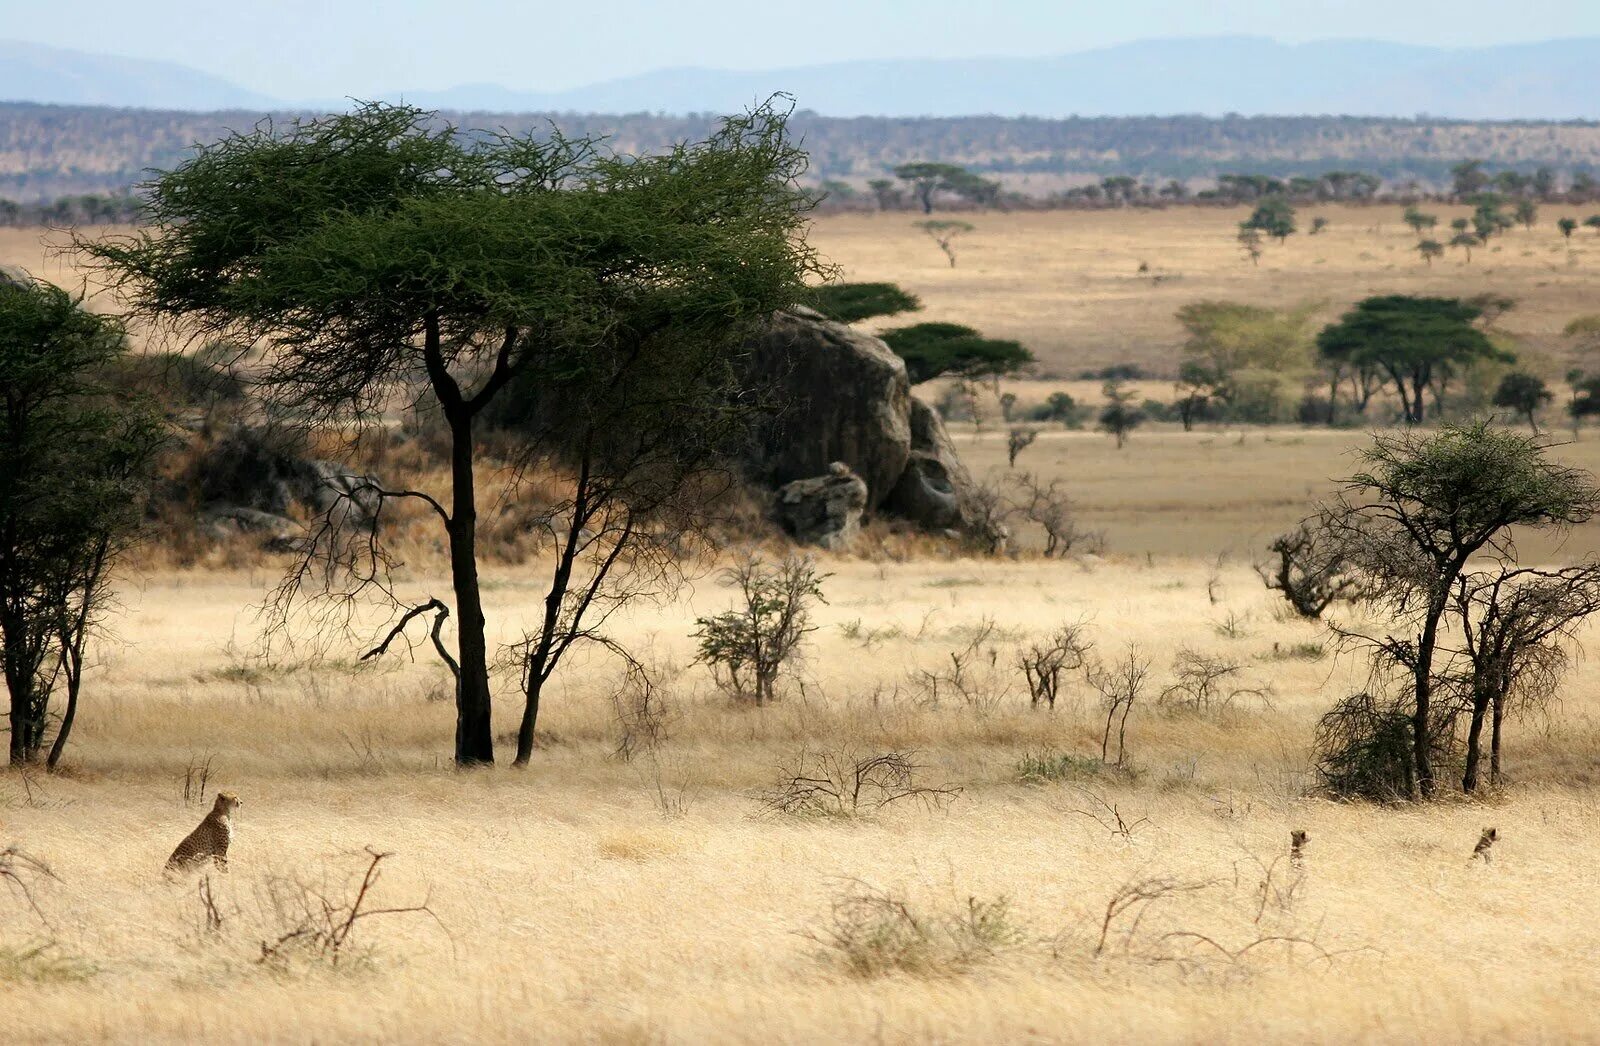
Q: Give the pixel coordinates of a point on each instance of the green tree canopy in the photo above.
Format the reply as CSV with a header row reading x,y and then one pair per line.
x,y
926,180
1246,358
75,463
377,255
1412,340
1274,217
853,302
932,349
1523,393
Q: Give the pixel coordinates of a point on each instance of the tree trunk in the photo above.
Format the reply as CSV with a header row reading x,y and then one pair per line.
x,y
1421,726
1494,742
474,731
1469,779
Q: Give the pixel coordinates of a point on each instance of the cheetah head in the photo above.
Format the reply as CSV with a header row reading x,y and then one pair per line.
x,y
227,802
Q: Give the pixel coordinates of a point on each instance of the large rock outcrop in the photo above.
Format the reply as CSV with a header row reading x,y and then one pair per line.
x,y
823,510
844,398
933,491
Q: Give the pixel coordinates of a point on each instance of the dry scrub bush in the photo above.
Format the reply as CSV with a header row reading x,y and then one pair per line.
x,y
37,961
301,922
830,784
1311,572
974,676
873,932
1203,684
748,646
1044,662
1120,683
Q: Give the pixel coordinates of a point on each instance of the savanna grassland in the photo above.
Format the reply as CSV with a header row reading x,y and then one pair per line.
x,y
1067,283
634,884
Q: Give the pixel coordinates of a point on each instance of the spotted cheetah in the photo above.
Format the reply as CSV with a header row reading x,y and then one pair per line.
x,y
210,840
1297,846
1489,837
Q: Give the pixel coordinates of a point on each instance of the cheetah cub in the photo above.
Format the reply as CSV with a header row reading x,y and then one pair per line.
x,y
209,842
1489,837
1297,847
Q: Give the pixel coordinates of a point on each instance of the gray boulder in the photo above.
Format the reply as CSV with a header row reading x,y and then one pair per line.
x,y
823,510
255,468
934,490
844,397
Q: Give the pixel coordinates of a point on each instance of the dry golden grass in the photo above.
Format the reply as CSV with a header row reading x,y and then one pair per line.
x,y
571,906
590,898
1067,283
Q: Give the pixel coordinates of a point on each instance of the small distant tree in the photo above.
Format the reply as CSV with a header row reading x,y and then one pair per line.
x,y
1018,440
748,646
1568,226
944,233
933,349
1430,249
1250,242
1592,222
1523,393
1120,416
927,180
1419,221
1273,217
1318,224
1243,358
1310,570
1466,241
853,302
1059,407
1469,178
1527,212
888,197
1415,341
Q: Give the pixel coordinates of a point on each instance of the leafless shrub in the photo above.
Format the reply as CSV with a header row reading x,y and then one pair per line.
x,y
1108,816
1311,571
1047,506
873,932
989,510
1232,626
1120,684
1044,662
196,776
1205,684
643,713
1128,907
318,923
22,872
974,676
828,784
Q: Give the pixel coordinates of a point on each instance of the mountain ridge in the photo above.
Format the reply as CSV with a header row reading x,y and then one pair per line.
x,y
1555,79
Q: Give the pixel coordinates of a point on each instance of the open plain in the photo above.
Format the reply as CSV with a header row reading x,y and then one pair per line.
x,y
619,890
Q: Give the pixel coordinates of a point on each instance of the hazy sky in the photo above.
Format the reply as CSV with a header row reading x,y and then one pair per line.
x,y
317,49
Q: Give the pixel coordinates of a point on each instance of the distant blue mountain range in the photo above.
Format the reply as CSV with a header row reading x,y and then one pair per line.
x,y
1553,80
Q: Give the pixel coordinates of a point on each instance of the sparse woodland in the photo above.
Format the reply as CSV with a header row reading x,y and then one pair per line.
x,y
1237,660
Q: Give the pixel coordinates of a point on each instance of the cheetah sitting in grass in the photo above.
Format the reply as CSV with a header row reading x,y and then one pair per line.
x,y
210,840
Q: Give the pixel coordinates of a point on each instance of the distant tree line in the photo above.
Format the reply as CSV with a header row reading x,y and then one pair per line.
x,y
81,209
48,151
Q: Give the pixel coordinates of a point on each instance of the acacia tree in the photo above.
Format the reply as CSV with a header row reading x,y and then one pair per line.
x,y
1409,524
379,259
75,463
1524,393
944,233
1415,341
